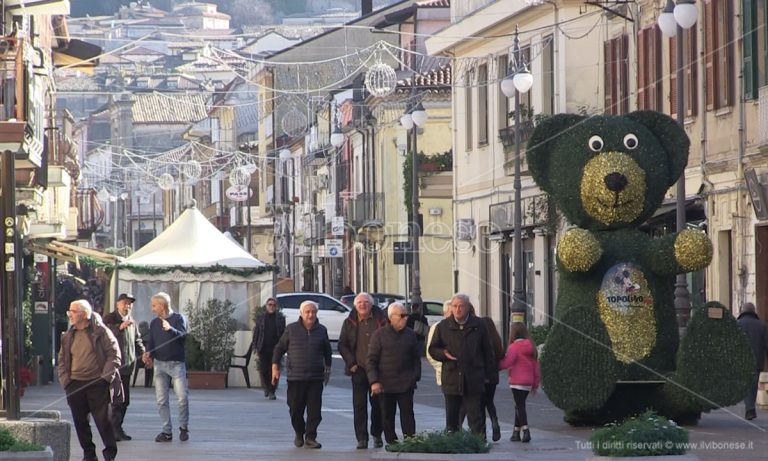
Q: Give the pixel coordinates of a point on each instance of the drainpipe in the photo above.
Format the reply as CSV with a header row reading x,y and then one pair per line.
x,y
740,205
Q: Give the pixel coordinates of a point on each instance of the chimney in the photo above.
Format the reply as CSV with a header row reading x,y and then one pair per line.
x,y
367,7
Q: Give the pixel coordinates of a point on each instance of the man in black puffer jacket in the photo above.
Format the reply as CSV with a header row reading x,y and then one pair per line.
x,y
308,367
757,333
462,344
394,367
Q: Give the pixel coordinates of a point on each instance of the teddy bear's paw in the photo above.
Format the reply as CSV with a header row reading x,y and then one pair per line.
x,y
578,250
693,250
578,368
715,366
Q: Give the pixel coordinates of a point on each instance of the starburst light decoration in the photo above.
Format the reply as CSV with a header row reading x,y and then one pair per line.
x,y
165,181
294,122
191,171
239,177
380,80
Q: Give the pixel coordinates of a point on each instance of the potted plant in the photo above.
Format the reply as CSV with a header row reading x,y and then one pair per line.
x,y
13,448
210,343
434,445
647,434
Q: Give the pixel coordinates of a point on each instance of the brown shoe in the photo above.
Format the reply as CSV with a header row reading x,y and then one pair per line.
x,y
312,443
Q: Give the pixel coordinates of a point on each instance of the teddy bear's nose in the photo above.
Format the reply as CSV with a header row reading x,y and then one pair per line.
x,y
616,182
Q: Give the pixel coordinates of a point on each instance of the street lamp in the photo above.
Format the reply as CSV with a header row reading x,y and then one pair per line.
x,y
672,20
412,120
519,80
285,156
337,140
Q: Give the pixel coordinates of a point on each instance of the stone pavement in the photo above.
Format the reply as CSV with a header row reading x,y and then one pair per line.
x,y
240,424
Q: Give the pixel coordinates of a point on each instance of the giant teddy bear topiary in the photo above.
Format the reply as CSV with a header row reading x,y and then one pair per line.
x,y
614,349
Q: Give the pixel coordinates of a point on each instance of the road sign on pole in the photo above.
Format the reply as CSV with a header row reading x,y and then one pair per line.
x,y
333,248
337,226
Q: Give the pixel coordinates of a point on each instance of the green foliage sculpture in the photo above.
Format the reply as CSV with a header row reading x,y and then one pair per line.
x,y
212,331
613,350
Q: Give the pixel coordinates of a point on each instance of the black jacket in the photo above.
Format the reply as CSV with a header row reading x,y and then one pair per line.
x,y
309,352
258,329
757,334
348,336
470,344
394,359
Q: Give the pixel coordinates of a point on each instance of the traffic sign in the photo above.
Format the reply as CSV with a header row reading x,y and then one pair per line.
x,y
337,225
333,248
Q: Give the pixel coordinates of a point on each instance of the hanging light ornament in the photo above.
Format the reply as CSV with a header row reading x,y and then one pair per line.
x,y
191,171
380,80
165,181
239,177
294,122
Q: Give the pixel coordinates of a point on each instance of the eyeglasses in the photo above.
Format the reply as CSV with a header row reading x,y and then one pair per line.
x,y
402,316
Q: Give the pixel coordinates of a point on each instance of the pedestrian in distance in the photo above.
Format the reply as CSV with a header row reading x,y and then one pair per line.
x,y
757,333
354,340
268,329
394,368
89,359
308,368
490,386
418,322
166,353
124,327
522,361
462,344
437,365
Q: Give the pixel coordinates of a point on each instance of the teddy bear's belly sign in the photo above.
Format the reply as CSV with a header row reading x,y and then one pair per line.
x,y
625,303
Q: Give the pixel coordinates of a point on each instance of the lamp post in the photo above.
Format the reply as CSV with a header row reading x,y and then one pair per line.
x,y
519,80
672,20
337,140
412,120
285,156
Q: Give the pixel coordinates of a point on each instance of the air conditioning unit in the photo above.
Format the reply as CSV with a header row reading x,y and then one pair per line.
x,y
465,229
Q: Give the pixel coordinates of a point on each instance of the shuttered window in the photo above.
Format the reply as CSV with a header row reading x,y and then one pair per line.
x,y
616,74
482,105
690,77
718,53
502,64
468,111
649,72
755,49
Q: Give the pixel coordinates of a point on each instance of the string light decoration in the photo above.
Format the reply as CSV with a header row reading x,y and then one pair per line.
x,y
294,122
239,177
381,80
165,181
192,171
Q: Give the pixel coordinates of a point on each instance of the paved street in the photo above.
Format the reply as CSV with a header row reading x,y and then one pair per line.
x,y
239,424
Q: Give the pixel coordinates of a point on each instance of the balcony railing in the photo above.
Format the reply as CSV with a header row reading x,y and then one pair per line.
x,y
366,209
762,117
536,212
90,215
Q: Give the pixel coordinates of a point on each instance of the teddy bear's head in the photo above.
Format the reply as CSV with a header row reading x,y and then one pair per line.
x,y
607,172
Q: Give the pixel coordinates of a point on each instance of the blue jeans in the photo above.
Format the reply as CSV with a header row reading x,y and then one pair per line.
x,y
167,373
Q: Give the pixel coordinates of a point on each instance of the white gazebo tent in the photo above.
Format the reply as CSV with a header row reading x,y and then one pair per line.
x,y
193,261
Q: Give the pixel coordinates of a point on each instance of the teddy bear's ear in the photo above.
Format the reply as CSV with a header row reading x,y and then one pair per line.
x,y
540,144
672,137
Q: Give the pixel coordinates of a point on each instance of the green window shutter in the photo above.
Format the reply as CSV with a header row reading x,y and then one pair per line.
x,y
750,47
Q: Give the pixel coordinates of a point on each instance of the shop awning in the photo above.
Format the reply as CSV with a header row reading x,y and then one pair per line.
x,y
71,253
79,55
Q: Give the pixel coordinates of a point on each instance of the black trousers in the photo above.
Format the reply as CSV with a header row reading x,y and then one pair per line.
x,y
119,408
389,402
521,416
473,404
84,397
361,396
305,395
265,371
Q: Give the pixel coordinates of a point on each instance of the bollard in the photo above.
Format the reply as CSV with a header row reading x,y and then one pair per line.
x,y
35,366
762,391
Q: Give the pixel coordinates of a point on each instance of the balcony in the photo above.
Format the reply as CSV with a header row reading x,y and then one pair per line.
x,y
90,215
318,155
367,209
507,137
762,118
537,211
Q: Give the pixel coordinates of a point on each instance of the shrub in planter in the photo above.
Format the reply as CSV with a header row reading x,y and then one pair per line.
x,y
213,326
441,442
10,443
645,435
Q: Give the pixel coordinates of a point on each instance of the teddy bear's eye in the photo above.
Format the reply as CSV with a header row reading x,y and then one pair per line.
x,y
596,143
630,141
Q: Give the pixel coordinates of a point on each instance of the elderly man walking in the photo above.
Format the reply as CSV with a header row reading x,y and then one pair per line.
x,y
88,362
125,329
166,351
757,333
308,368
394,368
354,341
462,344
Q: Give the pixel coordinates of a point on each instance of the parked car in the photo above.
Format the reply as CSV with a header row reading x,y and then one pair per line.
x,y
381,299
330,311
433,310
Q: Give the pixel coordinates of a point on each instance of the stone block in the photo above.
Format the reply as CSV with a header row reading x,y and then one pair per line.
x,y
45,428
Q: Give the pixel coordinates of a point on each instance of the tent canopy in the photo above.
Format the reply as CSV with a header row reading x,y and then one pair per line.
x,y
192,241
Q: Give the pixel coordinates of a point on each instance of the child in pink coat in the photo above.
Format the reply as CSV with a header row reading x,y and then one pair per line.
x,y
522,361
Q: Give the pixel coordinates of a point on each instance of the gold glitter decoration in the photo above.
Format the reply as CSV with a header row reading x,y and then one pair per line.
x,y
578,250
605,205
693,250
626,308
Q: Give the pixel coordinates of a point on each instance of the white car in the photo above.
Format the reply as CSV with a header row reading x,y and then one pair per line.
x,y
330,311
433,310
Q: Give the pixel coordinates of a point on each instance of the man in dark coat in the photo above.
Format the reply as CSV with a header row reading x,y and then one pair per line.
x,y
308,368
757,333
462,344
394,367
125,329
354,340
267,331
88,361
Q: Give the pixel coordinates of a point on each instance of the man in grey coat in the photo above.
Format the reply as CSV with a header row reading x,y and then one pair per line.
x,y
757,333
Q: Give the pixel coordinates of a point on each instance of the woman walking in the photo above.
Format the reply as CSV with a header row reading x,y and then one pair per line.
x,y
522,361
